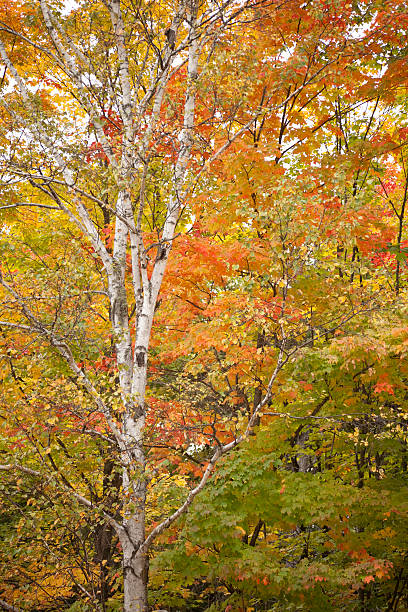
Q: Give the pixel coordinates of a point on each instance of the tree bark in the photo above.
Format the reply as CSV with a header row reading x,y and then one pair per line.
x,y
135,565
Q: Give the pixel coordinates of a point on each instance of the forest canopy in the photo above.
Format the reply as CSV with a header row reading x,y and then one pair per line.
x,y
203,305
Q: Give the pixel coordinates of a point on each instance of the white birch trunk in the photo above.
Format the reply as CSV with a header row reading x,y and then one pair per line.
x,y
135,566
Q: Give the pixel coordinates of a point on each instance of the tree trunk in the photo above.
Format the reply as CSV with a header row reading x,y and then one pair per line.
x,y
135,577
135,566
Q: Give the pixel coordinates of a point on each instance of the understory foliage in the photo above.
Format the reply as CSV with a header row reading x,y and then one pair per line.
x,y
255,435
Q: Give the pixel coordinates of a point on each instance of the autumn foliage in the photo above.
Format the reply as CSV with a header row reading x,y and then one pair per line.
x,y
274,397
